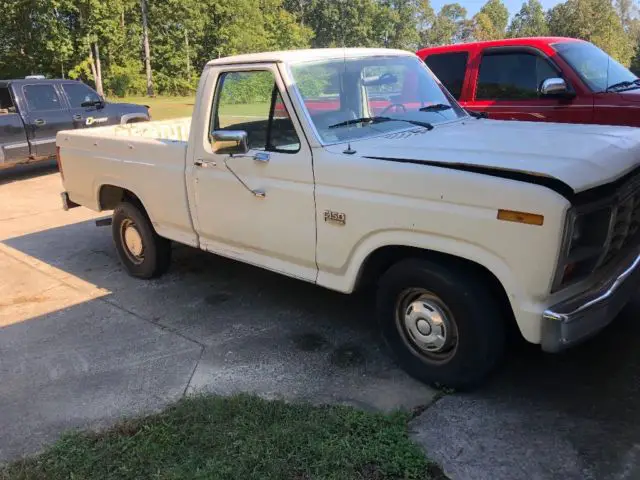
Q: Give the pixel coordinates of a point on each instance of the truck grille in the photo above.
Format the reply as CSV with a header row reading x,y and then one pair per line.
x,y
625,221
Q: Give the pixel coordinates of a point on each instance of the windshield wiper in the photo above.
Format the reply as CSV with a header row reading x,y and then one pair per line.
x,y
354,121
626,84
436,107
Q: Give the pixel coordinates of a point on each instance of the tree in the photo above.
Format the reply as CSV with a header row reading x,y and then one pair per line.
x,y
449,26
595,21
145,45
529,21
426,19
490,23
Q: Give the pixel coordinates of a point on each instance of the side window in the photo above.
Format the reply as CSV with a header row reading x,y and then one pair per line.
x,y
450,68
250,101
512,76
77,93
42,97
6,102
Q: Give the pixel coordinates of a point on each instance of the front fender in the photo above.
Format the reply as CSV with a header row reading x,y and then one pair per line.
x,y
137,116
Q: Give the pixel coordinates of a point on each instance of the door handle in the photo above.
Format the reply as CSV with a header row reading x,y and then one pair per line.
x,y
204,163
77,117
39,122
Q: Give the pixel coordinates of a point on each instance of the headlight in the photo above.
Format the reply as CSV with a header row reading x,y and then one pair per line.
x,y
583,246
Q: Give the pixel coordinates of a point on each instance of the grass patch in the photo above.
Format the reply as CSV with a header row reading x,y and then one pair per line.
x,y
163,108
240,437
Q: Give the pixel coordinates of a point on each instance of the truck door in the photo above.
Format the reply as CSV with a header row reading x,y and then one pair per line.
x,y
13,138
259,209
78,94
508,83
46,115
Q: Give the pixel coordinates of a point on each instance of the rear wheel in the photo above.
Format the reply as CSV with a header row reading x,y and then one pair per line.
x,y
442,323
142,251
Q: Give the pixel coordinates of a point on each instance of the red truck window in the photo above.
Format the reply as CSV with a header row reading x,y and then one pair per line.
x,y
450,69
512,76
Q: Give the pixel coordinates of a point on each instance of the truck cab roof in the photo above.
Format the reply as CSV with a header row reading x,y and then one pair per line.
x,y
505,42
292,56
31,81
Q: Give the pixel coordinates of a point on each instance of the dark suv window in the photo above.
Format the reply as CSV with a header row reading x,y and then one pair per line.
x,y
6,103
42,97
450,69
512,76
77,93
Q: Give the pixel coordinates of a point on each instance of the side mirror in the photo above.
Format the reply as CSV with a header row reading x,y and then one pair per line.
x,y
229,142
93,103
554,86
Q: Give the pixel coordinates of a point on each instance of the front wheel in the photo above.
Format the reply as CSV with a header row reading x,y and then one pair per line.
x,y
142,251
442,323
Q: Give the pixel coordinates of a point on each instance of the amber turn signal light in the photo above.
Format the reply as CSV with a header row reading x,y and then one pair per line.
x,y
520,217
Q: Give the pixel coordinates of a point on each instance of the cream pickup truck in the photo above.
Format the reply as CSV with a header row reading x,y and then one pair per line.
x,y
350,168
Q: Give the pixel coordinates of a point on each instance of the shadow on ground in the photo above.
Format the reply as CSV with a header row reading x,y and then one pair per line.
x,y
32,170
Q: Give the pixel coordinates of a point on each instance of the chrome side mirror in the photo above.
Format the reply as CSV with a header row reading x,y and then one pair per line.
x,y
554,86
229,142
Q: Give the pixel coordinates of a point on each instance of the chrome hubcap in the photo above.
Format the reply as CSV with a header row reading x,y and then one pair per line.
x,y
132,241
427,324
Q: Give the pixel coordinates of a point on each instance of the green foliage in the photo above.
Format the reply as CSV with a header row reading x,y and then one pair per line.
x,y
125,80
56,37
595,21
529,21
490,22
449,26
240,438
247,88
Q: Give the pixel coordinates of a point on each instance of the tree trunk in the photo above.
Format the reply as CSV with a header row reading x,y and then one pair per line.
x,y
93,65
186,47
98,70
145,44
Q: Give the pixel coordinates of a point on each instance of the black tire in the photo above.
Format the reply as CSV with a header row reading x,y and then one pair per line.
x,y
474,316
155,257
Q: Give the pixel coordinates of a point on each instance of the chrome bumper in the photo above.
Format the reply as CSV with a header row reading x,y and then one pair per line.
x,y
580,317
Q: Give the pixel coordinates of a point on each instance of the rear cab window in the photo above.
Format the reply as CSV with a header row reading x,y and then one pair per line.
x,y
512,75
450,68
6,102
42,98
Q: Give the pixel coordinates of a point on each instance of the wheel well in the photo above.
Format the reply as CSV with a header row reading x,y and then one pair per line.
x,y
111,196
380,260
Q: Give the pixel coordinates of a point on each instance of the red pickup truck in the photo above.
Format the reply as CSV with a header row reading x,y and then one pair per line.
x,y
549,79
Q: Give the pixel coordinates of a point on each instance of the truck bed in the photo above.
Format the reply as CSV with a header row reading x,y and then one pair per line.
x,y
129,156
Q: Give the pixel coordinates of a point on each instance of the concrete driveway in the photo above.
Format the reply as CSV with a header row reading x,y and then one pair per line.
x,y
82,343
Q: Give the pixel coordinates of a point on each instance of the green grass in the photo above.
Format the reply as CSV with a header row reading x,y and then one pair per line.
x,y
242,438
165,108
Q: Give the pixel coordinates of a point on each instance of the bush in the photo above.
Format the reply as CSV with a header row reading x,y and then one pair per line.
x,y
174,86
125,80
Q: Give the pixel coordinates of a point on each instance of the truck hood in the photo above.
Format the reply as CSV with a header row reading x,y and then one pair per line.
x,y
579,156
630,95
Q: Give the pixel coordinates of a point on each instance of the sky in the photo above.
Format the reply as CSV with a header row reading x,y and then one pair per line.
x,y
473,6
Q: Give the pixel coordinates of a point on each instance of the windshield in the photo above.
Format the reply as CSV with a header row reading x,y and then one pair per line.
x,y
598,70
359,97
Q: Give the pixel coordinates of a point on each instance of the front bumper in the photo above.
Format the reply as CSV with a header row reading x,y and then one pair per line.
x,y
582,316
